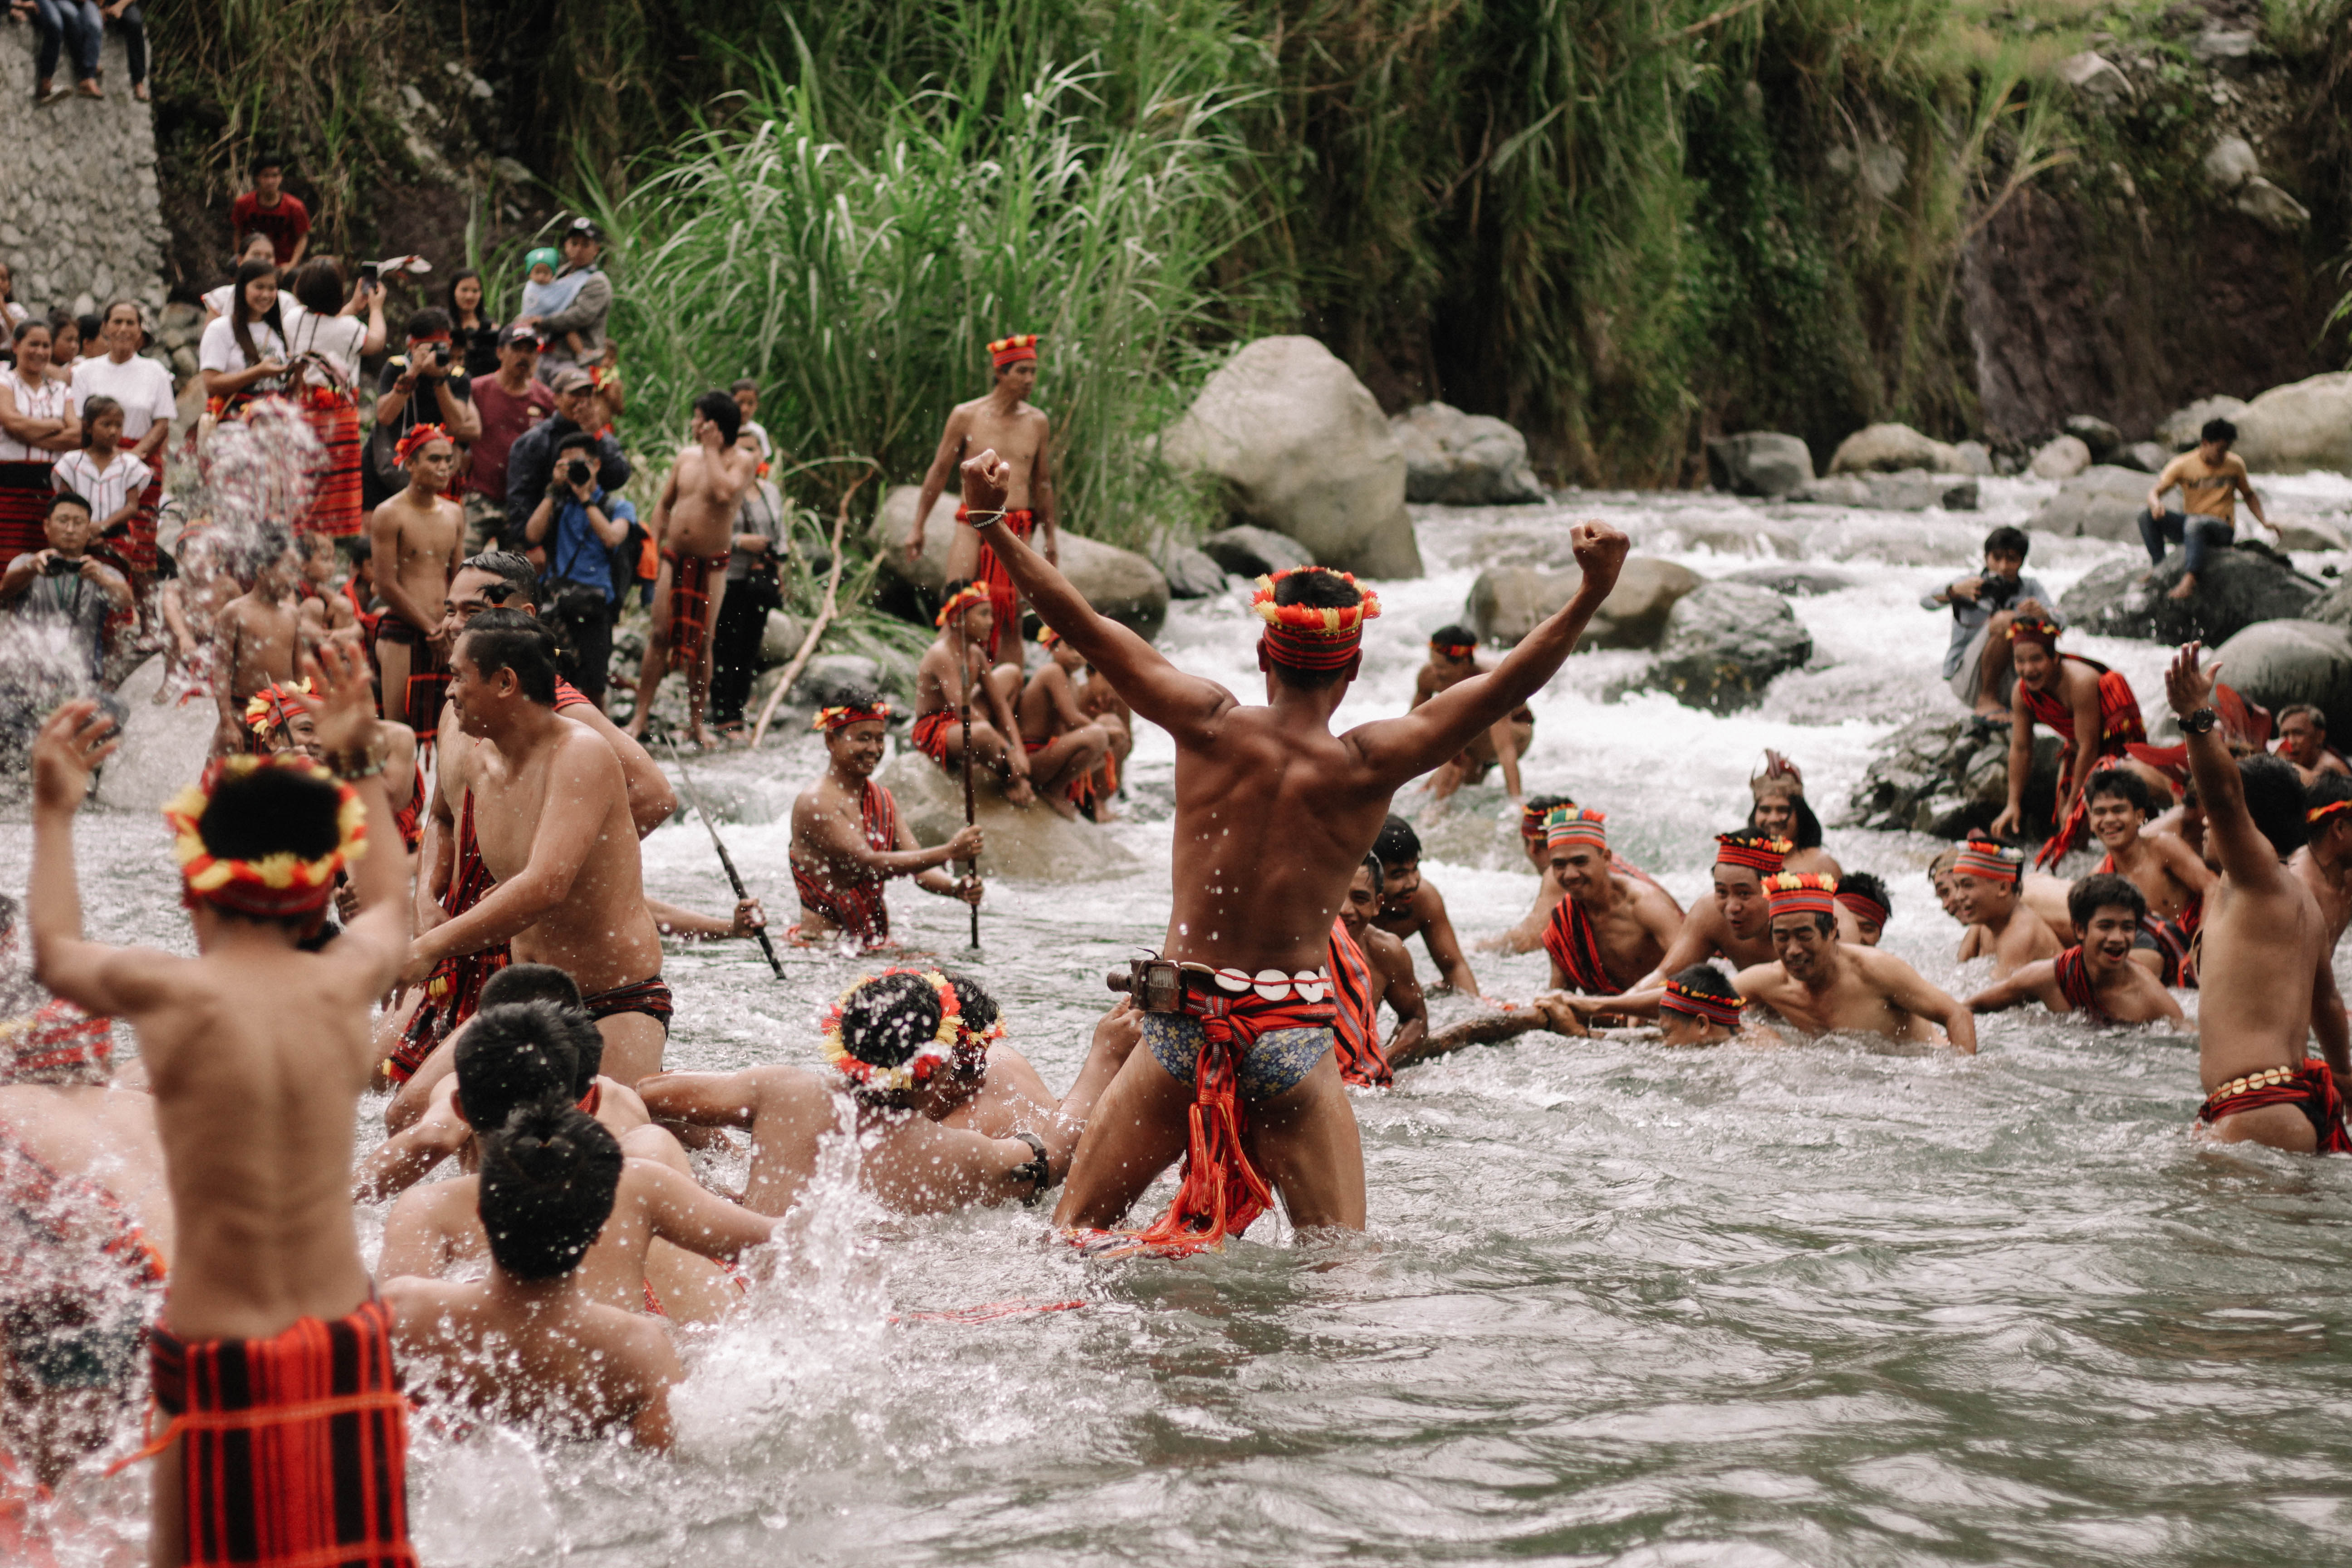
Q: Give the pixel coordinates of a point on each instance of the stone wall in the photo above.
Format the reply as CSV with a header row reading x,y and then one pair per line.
x,y
79,219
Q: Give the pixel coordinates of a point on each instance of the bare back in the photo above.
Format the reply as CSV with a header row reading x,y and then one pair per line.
x,y
2261,950
105,1134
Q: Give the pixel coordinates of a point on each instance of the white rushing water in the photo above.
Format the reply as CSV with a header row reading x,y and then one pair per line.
x,y
1836,1304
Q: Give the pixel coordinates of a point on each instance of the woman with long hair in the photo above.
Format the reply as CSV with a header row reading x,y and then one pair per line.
x,y
326,342
255,247
472,332
243,355
37,423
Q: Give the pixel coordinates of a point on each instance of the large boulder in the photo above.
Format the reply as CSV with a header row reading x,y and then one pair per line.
x,y
2103,503
1797,582
1454,459
2309,533
1758,463
2101,437
1890,448
2240,585
1248,551
1192,572
781,637
1022,845
2277,663
2302,426
2061,458
2179,428
2148,457
1508,601
1910,490
1724,643
1118,583
1947,775
829,678
1302,449
2334,607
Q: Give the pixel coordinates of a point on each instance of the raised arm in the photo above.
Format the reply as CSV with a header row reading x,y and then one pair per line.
x,y
93,977
2248,859
1406,747
342,709
1185,705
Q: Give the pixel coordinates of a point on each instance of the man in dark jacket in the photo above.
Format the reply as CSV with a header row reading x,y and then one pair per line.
x,y
531,464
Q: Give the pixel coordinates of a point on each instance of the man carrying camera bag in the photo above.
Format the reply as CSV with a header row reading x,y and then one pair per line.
x,y
1976,665
580,527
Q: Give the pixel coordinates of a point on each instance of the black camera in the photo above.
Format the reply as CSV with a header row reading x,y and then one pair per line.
x,y
63,565
575,472
1998,593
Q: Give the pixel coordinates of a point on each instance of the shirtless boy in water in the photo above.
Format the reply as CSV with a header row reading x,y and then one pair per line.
x,y
694,524
2098,977
957,665
414,540
2266,946
1274,812
1824,985
258,638
1610,931
1002,422
2324,865
552,813
1985,882
257,1052
1064,746
1453,658
1411,907
848,839
1391,965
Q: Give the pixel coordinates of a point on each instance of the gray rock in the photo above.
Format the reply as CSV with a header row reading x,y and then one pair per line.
x,y
2247,582
2229,51
1835,490
1507,603
1031,844
2278,663
1454,459
780,639
1118,583
1890,448
1800,581
2103,503
1946,777
2309,533
2061,458
2272,207
829,678
1758,463
2095,76
2333,609
1301,447
2101,437
2179,428
1248,551
2146,456
1912,491
1976,459
2299,427
1724,643
2231,162
1192,574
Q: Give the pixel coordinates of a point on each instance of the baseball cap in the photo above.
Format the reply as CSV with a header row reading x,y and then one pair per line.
x,y
573,380
583,226
510,336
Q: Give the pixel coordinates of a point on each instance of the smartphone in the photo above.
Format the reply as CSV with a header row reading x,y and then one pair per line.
x,y
367,275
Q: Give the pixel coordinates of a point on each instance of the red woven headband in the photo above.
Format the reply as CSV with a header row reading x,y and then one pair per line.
x,y
830,719
1012,350
1982,858
2041,632
1756,851
1454,649
1310,637
1723,1010
1864,907
408,446
1791,895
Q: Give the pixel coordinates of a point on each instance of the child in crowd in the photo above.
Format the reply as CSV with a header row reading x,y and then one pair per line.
x,y
543,296
1976,665
104,474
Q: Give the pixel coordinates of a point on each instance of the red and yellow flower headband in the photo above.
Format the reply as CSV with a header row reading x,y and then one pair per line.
x,y
1723,1010
1788,894
1311,636
919,1067
273,705
408,446
1012,350
275,885
962,599
830,719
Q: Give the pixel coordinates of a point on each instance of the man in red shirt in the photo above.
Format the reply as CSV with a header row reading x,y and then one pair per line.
x,y
269,209
510,403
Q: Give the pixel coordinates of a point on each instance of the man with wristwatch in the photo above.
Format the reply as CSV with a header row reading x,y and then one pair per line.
x,y
2265,947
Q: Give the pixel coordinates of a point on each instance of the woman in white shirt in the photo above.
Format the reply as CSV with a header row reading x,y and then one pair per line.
x,y
142,388
37,423
328,341
243,355
256,248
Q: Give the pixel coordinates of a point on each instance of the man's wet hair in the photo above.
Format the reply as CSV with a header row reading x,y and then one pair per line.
x,y
2104,890
720,409
2274,800
1869,887
1322,591
549,1176
509,639
1708,981
68,497
269,544
1397,844
978,1009
509,567
2218,430
545,982
2123,784
2326,790
2319,719
272,810
1804,827
2007,540
1380,877
889,1019
1454,635
510,1056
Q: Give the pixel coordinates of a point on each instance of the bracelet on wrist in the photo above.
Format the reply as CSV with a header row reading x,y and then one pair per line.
x,y
982,519
361,763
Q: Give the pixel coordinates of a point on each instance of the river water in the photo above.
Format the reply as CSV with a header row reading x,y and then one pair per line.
x,y
1830,1304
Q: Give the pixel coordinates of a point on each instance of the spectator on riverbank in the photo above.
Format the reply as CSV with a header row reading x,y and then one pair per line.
x,y
579,525
141,389
11,312
531,465
746,394
243,355
65,585
753,588
109,479
571,320
132,23
269,209
253,247
37,423
1976,665
66,27
471,327
2211,479
326,342
510,403
65,344
426,385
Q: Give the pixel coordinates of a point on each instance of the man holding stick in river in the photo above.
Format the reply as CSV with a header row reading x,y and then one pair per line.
x,y
1274,813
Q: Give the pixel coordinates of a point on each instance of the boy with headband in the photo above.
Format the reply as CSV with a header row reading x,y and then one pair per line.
x,y
1824,985
1985,882
1610,931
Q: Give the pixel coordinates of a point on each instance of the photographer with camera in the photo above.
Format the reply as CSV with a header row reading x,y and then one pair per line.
x,y
426,386
1976,665
579,527
531,465
64,585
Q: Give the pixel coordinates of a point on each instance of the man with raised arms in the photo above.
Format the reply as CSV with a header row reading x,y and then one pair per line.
x,y
2172,878
1610,931
1002,422
694,524
1453,657
1985,881
2092,710
905,1066
1826,986
414,540
1064,746
1369,967
2265,950
2096,977
551,811
271,1341
1411,907
848,840
1274,812
956,668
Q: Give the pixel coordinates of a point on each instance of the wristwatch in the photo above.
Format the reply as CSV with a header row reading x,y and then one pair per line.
x,y
2201,722
1034,1169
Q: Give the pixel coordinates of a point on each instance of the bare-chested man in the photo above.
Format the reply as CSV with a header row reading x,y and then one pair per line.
x,y
1002,422
258,639
1454,657
2171,876
1274,812
1066,748
2096,977
848,839
1985,881
1610,931
1528,935
2324,865
694,524
256,1053
1100,700
1736,924
1823,986
551,812
956,667
2303,741
1411,907
2265,950
414,540
902,1069
532,1344
1369,967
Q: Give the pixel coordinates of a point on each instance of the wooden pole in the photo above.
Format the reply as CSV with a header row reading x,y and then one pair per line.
x,y
734,878
963,682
